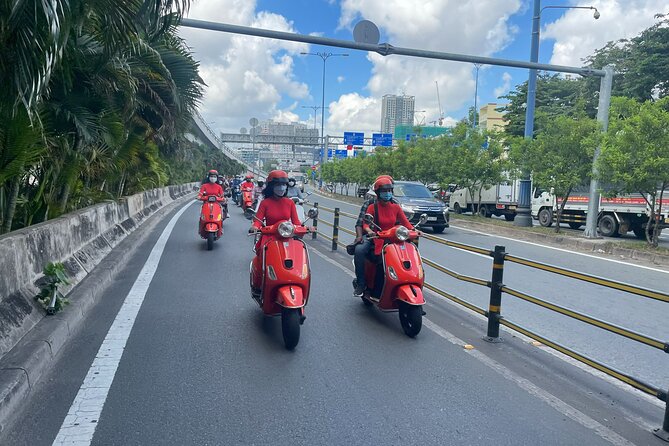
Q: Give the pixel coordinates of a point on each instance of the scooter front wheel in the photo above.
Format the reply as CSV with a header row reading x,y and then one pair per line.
x,y
210,241
290,326
411,318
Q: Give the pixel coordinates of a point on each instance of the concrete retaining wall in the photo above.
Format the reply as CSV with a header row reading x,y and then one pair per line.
x,y
80,240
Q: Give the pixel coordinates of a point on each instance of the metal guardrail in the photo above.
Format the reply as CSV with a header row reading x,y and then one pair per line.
x,y
497,288
202,124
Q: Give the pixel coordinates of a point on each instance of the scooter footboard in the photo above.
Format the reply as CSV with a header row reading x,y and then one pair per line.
x,y
290,296
411,294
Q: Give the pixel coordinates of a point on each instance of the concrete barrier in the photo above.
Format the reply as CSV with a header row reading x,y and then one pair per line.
x,y
79,239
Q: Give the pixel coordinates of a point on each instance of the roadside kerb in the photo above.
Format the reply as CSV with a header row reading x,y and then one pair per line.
x,y
23,366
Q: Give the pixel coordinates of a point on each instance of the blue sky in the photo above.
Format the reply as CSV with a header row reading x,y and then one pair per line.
x,y
271,80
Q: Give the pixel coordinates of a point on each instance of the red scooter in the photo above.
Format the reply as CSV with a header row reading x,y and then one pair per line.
x,y
286,276
211,219
396,281
247,202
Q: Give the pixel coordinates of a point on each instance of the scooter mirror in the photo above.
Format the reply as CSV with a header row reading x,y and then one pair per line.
x,y
423,219
313,213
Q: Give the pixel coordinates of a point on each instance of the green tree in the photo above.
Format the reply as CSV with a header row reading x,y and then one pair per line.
x,y
560,157
641,63
477,160
635,154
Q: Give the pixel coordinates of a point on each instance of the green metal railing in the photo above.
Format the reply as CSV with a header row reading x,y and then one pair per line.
x,y
498,288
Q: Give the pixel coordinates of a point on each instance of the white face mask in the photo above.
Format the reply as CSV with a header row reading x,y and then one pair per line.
x,y
212,179
280,190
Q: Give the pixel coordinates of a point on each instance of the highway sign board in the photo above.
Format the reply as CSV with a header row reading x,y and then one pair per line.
x,y
354,138
382,139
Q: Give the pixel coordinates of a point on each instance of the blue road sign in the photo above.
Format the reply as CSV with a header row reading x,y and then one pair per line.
x,y
382,139
354,139
341,153
330,153
410,136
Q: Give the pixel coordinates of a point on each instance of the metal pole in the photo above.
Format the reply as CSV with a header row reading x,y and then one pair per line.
x,y
603,117
323,154
523,217
496,284
476,94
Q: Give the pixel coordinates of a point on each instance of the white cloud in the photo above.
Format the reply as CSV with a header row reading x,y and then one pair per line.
x,y
353,113
245,76
577,34
340,79
506,85
436,25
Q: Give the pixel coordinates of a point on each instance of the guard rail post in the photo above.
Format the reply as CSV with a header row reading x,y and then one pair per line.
x,y
663,432
335,229
496,285
315,233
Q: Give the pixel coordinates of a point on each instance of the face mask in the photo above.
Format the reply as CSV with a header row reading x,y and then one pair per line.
x,y
386,196
212,179
280,190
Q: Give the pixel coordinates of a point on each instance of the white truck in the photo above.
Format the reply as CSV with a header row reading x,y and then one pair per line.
x,y
500,199
617,216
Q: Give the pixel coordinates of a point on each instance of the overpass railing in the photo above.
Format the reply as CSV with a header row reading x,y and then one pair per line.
x,y
498,288
211,134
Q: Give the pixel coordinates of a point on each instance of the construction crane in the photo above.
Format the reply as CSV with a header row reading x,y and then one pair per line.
x,y
441,113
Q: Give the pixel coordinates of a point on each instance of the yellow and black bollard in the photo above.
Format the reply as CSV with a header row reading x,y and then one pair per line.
x,y
315,233
663,432
496,284
335,229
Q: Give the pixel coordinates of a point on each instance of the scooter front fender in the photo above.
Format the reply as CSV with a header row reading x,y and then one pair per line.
x,y
411,294
290,296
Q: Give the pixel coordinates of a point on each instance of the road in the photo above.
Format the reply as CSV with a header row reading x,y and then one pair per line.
x,y
188,358
634,312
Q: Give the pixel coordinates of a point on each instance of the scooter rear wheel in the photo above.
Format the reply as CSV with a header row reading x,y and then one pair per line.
x,y
411,318
290,327
210,241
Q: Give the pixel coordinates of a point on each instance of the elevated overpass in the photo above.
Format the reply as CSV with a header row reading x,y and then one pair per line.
x,y
208,136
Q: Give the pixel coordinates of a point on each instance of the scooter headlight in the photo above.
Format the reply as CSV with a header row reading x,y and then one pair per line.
x,y
286,229
402,234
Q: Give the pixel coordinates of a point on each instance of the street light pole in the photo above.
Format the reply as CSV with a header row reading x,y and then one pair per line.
x,y
524,217
325,56
314,108
476,94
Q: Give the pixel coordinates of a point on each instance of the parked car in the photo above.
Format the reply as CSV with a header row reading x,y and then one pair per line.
x,y
415,200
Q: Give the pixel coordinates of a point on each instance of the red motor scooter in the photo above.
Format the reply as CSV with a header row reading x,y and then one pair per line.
x,y
247,203
211,219
286,276
395,282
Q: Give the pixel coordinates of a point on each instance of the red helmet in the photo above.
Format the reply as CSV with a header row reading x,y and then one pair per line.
x,y
213,172
248,177
277,176
383,180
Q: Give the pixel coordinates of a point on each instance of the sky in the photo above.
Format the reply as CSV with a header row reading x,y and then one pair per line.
x,y
251,77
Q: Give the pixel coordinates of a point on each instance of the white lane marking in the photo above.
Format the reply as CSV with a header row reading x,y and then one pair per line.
x,y
547,397
523,383
79,425
562,250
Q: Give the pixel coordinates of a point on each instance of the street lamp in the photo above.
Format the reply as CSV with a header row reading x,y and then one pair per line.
x,y
315,108
524,218
324,56
476,94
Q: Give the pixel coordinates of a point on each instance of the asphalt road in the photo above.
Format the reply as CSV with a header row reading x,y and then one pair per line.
x,y
630,311
202,366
